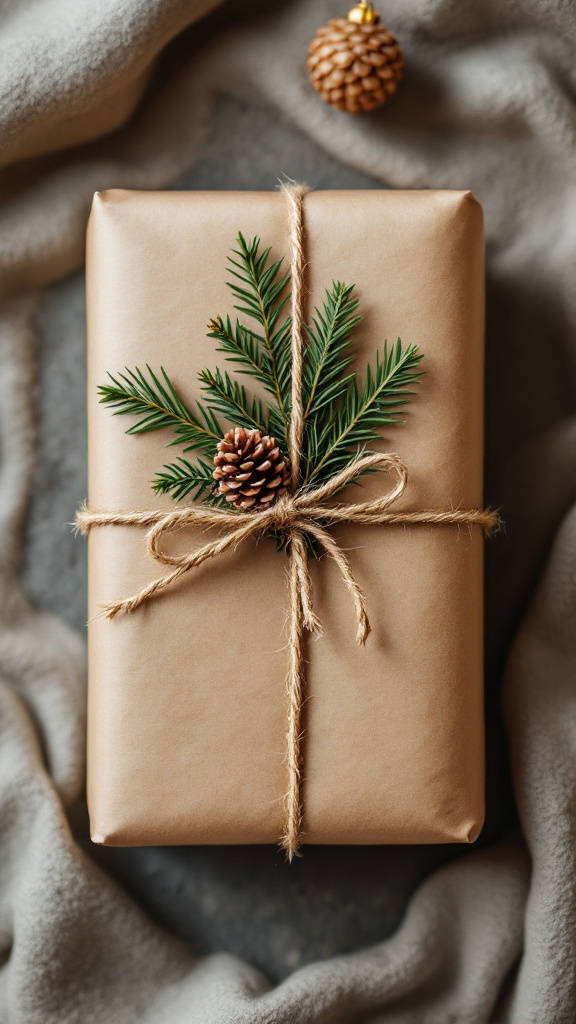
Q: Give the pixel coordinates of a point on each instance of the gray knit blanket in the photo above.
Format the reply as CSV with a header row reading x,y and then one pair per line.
x,y
132,93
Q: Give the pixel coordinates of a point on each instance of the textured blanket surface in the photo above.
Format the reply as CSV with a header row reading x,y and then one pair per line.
x,y
153,93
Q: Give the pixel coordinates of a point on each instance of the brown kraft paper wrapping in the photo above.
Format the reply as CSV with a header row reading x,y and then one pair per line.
x,y
187,702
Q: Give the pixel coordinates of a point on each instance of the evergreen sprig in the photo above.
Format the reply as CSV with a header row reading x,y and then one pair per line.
x,y
183,478
327,354
341,416
159,406
230,399
357,418
261,295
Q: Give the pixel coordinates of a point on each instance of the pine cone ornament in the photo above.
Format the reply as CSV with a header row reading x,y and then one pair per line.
x,y
250,469
355,63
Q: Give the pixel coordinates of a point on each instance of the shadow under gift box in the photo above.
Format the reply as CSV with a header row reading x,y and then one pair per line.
x,y
187,700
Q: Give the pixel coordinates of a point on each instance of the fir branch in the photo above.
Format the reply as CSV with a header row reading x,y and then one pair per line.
x,y
158,406
359,417
228,397
183,478
326,355
240,346
259,295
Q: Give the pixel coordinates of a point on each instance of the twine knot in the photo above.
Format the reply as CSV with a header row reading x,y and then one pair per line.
x,y
284,512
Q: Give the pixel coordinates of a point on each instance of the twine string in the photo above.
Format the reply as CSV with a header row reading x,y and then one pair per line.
x,y
299,584
295,197
298,515
295,515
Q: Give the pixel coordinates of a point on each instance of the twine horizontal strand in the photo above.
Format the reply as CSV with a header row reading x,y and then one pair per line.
x,y
295,516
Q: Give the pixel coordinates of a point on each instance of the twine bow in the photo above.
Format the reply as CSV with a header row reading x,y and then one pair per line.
x,y
298,515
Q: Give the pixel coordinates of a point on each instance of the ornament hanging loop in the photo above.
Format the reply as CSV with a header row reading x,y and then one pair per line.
x,y
364,13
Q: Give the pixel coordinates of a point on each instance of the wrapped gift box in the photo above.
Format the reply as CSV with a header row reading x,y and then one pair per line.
x,y
187,702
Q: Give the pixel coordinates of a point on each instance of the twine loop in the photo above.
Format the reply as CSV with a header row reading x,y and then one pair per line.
x,y
299,516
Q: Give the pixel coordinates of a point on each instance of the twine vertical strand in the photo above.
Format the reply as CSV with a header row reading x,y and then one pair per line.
x,y
297,560
295,196
292,836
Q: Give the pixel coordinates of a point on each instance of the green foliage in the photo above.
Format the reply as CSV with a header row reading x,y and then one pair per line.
x,y
260,293
327,354
183,478
358,416
159,405
342,417
229,398
240,346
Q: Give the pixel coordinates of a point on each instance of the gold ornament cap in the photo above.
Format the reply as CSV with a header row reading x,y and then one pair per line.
x,y
363,14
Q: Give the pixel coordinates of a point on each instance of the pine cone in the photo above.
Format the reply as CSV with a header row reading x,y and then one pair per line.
x,y
250,469
354,67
